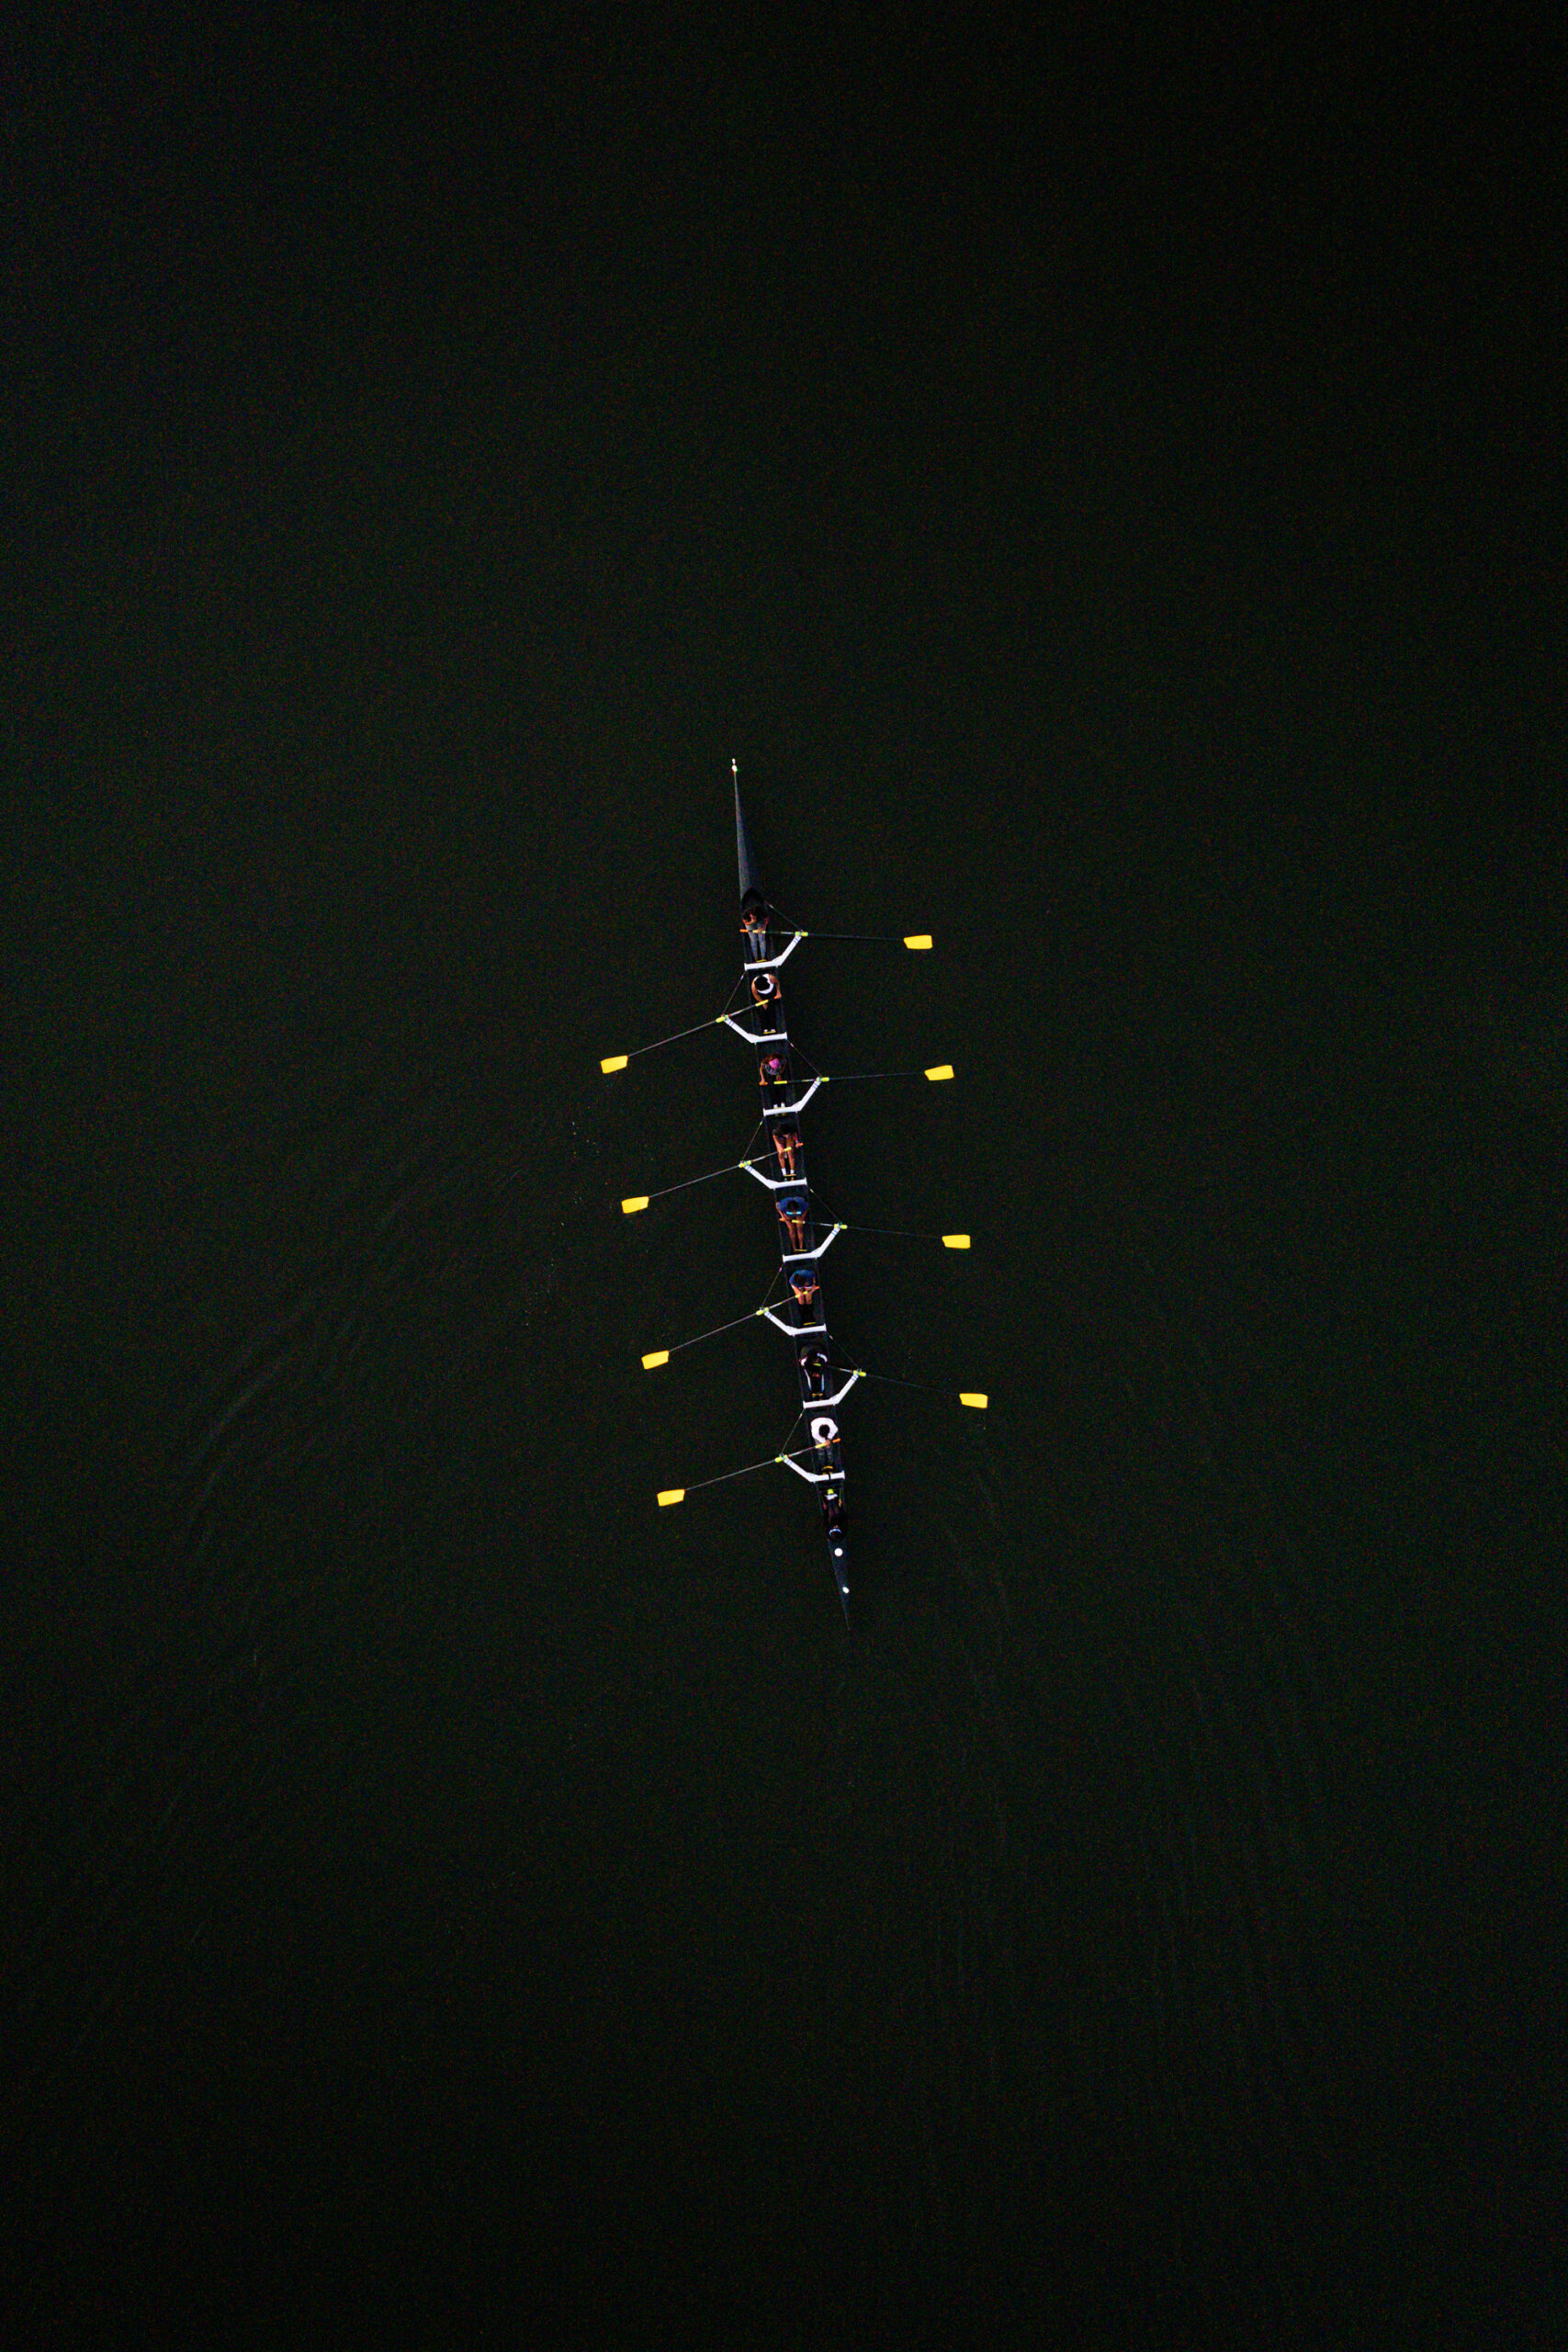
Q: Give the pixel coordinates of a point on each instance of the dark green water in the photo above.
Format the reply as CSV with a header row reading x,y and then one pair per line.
x,y
451,1899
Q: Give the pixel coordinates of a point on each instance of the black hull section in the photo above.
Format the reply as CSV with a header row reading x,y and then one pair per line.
x,y
745,855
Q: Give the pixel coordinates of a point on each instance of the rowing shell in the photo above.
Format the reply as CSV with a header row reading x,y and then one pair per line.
x,y
762,1021
783,1174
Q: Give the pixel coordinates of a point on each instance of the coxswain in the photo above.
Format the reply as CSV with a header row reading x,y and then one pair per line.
x,y
803,1282
754,924
814,1370
773,1070
765,991
794,1210
787,1143
833,1512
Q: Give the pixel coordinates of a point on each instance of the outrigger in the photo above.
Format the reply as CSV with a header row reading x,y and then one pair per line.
x,y
781,1169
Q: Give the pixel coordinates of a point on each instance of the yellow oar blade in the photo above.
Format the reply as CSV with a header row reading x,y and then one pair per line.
x,y
671,1495
955,1242
638,1201
942,1070
652,1363
919,939
975,1396
614,1062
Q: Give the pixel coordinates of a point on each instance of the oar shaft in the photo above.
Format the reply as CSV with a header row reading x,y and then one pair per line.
x,y
712,1177
850,1077
640,1200
912,939
678,1494
659,1357
905,1233
612,1062
733,1325
675,1036
725,1476
970,1396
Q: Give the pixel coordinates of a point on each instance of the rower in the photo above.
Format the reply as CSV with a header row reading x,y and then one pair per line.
x,y
787,1143
803,1286
766,991
754,924
814,1370
773,1070
825,1438
794,1210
